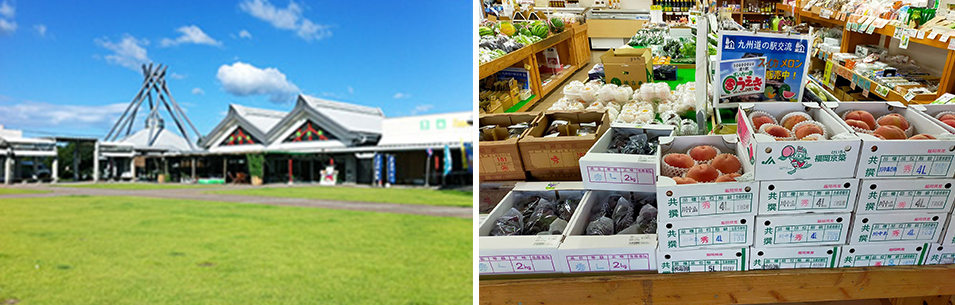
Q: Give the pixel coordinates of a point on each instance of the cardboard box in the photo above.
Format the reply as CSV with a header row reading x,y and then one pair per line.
x,y
905,195
904,254
500,158
731,231
540,154
807,196
949,238
692,201
818,159
939,254
897,227
709,260
794,257
901,159
499,255
798,230
621,172
628,66
581,253
857,97
931,110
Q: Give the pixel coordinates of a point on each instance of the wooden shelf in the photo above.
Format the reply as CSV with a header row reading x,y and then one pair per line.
x,y
748,287
891,96
819,19
561,77
489,68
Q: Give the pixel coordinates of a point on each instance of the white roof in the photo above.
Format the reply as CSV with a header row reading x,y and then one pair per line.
x,y
434,130
166,140
352,117
262,119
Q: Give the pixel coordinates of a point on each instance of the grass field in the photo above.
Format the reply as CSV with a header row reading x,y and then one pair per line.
x,y
139,186
123,250
13,191
392,195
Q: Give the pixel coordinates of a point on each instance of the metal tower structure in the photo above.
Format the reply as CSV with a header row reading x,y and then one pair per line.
x,y
156,94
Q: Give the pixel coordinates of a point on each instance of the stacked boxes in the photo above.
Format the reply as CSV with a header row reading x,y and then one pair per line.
x,y
704,226
807,189
944,251
500,158
905,191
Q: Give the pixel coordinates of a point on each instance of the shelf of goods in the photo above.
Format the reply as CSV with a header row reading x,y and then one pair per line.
x,y
851,39
572,43
913,283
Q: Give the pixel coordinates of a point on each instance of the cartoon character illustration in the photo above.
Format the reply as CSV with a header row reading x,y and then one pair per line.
x,y
797,157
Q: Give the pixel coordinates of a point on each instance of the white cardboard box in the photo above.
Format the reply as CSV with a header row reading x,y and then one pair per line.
x,y
907,227
691,201
905,254
708,260
949,239
807,196
901,158
939,254
522,254
788,160
794,257
930,110
580,253
620,172
802,230
733,231
905,195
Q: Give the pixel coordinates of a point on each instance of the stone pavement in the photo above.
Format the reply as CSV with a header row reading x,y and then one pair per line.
x,y
198,194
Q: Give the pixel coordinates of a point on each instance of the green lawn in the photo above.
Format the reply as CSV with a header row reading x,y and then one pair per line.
x,y
392,195
139,186
127,250
12,191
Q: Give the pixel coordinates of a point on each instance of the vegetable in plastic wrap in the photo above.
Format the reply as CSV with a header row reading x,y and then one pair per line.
x,y
508,224
566,208
601,226
544,214
557,227
622,215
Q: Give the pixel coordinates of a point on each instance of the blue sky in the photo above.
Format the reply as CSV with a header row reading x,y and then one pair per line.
x,y
71,67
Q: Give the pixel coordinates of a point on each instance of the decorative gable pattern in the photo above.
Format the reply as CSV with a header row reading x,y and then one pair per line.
x,y
239,137
308,132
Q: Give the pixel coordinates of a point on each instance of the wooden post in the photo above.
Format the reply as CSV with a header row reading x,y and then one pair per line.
x,y
193,169
225,168
290,170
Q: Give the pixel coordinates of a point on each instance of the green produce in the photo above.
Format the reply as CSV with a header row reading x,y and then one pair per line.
x,y
539,29
556,25
507,28
485,31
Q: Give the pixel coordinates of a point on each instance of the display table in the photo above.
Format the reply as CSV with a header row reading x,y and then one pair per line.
x,y
935,284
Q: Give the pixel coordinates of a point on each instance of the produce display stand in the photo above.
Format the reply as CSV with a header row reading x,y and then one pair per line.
x,y
907,284
851,39
572,45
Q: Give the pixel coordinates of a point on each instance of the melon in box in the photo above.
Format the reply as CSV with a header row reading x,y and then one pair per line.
x,y
897,227
691,201
801,230
904,254
807,196
794,257
939,254
603,170
523,254
709,260
730,231
785,157
581,253
882,196
901,158
499,156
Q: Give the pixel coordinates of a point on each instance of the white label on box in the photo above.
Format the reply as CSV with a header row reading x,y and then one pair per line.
x,y
504,264
911,254
609,262
901,162
794,258
897,227
684,201
940,255
802,196
929,195
706,232
799,230
733,259
951,44
949,238
621,175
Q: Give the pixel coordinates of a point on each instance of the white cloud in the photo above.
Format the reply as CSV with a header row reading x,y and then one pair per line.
x,y
400,95
289,18
40,29
245,34
421,108
7,12
35,114
128,52
190,34
174,75
242,79
351,90
198,91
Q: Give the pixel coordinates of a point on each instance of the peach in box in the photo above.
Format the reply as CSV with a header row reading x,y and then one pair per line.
x,y
679,160
703,172
807,129
890,132
702,153
862,115
858,124
894,119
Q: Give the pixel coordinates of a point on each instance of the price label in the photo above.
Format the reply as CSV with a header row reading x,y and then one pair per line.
x,y
944,38
853,81
904,44
828,72
865,91
825,14
880,23
920,35
870,29
832,80
899,32
881,90
932,35
909,96
951,44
